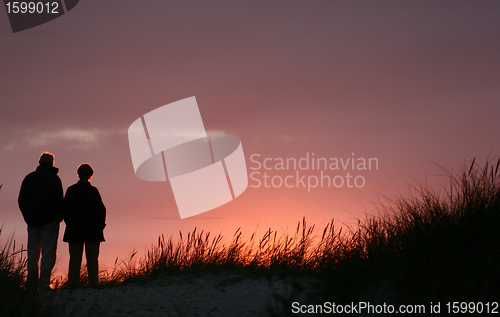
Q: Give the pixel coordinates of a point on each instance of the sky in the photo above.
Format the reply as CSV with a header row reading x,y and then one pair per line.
x,y
413,85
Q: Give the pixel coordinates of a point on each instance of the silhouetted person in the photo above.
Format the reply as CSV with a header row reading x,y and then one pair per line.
x,y
85,216
40,200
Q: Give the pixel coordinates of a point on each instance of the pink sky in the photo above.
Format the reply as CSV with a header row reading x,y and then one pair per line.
x,y
413,84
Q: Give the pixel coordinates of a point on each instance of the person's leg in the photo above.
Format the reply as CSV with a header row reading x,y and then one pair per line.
x,y
33,256
92,255
49,234
75,262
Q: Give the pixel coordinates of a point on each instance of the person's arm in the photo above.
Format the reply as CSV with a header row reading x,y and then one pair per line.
x,y
21,200
67,207
100,209
58,196
27,199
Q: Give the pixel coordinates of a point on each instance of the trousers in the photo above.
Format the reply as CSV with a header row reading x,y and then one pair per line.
x,y
75,262
44,239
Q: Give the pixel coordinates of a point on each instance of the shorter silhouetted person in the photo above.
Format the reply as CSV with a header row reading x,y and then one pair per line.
x,y
85,216
40,201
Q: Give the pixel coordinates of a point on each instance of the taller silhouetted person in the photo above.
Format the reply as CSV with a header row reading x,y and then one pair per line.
x,y
85,216
40,201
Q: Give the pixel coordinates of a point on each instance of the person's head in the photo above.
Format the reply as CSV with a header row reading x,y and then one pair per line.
x,y
85,172
46,159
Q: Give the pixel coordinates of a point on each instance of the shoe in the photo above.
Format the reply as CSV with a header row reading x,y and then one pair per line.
x,y
46,288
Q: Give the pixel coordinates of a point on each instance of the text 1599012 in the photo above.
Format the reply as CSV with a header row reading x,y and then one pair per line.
x,y
32,7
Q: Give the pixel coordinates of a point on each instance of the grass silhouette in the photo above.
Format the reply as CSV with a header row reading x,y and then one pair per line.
x,y
431,246
428,247
12,278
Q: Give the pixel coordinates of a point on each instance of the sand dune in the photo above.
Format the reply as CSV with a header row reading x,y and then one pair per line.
x,y
207,294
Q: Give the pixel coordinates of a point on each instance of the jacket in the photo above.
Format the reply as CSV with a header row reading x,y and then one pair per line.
x,y
84,213
41,196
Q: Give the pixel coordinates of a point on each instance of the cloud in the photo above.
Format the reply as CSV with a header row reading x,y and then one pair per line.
x,y
9,147
73,137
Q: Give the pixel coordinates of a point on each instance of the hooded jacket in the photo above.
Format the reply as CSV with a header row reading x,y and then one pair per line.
x,y
41,196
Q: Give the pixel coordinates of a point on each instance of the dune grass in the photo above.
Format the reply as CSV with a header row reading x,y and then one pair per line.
x,y
431,246
12,276
434,245
12,279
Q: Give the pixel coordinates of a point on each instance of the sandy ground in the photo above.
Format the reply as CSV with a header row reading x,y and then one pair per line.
x,y
209,294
